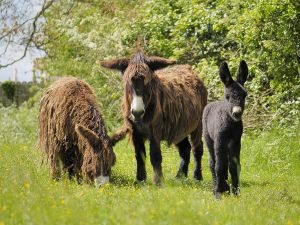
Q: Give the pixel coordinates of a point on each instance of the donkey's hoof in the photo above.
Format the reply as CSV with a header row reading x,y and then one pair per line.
x,y
180,174
198,177
157,180
236,191
218,195
140,182
141,176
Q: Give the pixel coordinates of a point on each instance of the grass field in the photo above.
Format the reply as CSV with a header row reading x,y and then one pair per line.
x,y
270,185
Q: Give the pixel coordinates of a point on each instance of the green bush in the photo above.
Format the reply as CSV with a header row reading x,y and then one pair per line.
x,y
264,33
9,88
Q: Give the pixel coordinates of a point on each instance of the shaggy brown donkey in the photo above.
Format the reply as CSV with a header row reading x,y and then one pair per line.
x,y
71,130
162,105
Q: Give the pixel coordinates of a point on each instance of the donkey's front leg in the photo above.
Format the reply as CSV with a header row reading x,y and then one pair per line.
x,y
221,168
140,155
156,159
235,166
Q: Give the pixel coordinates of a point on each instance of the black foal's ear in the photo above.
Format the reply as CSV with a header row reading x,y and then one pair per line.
x,y
156,63
242,73
225,74
116,64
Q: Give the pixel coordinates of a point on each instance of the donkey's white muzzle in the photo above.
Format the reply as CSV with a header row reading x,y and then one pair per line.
x,y
237,113
137,107
101,180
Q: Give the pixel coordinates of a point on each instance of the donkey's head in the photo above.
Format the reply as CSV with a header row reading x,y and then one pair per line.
x,y
98,156
138,74
235,92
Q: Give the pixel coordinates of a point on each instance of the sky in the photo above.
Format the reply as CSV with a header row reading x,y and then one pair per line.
x,y
23,68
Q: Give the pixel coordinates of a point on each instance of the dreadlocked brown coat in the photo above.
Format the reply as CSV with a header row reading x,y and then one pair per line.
x,y
72,130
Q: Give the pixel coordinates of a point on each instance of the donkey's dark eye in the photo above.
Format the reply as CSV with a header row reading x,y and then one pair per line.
x,y
227,97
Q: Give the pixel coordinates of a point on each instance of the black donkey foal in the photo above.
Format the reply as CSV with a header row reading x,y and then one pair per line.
x,y
223,128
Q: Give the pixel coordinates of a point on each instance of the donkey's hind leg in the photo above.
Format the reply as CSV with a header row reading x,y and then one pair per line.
x,y
68,158
54,157
212,160
55,170
184,148
197,147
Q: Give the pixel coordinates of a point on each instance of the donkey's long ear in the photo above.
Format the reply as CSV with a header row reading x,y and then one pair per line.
x,y
116,64
156,63
91,136
242,73
225,74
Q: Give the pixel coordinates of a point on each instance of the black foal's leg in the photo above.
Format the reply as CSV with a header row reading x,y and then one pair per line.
x,y
140,155
235,167
197,147
156,160
184,149
221,168
212,165
212,161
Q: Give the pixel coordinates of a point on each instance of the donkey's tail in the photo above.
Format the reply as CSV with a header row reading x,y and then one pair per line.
x,y
118,135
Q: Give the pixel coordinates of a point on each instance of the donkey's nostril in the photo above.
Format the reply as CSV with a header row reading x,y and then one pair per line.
x,y
237,111
237,114
137,114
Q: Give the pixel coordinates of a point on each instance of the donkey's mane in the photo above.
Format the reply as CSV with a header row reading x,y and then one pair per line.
x,y
138,58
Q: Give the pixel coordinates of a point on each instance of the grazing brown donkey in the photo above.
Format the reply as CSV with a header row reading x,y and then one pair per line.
x,y
71,130
162,105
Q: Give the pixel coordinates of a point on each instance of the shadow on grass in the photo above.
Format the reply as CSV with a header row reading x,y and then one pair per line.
x,y
190,184
121,181
126,181
288,198
279,194
255,183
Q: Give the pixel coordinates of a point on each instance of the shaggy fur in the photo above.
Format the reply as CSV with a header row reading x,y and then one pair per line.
x,y
223,128
71,130
174,100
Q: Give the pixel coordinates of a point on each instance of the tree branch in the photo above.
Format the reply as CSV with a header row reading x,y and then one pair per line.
x,y
46,5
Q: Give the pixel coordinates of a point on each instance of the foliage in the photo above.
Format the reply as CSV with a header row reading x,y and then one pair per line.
x,y
199,33
205,33
19,28
19,93
9,88
90,32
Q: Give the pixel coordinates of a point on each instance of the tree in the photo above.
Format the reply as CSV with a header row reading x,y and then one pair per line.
x,y
201,33
19,29
9,88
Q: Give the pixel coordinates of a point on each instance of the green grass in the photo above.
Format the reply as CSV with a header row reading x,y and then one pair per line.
x,y
270,181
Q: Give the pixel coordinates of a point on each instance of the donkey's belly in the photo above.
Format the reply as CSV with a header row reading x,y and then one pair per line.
x,y
179,132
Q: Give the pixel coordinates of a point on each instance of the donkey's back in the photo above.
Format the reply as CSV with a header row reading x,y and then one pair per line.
x,y
183,96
